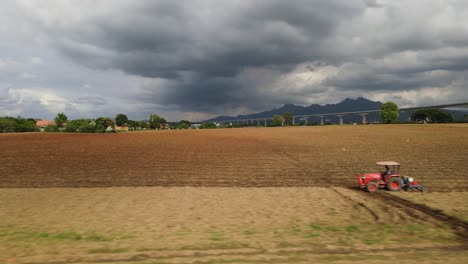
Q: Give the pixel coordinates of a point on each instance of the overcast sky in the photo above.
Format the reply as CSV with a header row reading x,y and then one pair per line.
x,y
198,59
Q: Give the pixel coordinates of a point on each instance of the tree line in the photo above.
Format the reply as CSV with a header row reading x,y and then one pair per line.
x,y
98,125
389,114
18,124
104,124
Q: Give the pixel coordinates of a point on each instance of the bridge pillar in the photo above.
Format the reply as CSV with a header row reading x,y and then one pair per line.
x,y
364,121
341,119
321,120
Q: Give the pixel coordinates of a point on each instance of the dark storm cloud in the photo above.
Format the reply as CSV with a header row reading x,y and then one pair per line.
x,y
213,42
160,39
207,49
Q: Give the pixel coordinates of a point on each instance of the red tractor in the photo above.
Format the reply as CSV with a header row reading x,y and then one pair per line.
x,y
389,178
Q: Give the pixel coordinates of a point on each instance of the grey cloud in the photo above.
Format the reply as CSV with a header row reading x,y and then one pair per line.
x,y
214,42
203,48
372,3
403,71
93,100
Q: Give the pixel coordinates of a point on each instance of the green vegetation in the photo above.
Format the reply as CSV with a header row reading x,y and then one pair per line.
x,y
79,125
137,125
208,126
67,236
389,113
155,121
277,120
432,116
288,118
352,228
217,236
11,124
60,120
104,124
28,235
121,120
183,124
297,235
107,250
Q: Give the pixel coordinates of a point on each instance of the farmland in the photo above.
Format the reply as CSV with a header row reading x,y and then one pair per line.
x,y
186,196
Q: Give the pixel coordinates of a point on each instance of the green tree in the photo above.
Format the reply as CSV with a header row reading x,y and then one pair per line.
x,y
389,113
154,121
89,128
78,125
132,125
432,115
121,119
277,120
51,129
208,126
23,124
60,120
142,124
288,118
7,125
103,123
183,124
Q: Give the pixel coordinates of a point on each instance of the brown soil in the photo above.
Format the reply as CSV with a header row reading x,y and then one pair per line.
x,y
306,211
186,224
453,203
257,157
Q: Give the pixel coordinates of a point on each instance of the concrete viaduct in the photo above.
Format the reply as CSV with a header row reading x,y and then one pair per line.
x,y
263,120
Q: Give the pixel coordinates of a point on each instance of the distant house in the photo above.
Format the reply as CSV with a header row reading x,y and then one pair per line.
x,y
42,124
164,126
195,126
121,128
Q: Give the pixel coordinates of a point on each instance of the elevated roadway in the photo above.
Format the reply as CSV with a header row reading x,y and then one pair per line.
x,y
263,120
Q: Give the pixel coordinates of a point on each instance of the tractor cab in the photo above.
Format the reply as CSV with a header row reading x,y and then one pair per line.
x,y
389,168
389,177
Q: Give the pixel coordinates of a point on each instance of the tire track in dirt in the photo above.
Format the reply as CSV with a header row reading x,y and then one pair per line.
x,y
459,226
419,212
372,212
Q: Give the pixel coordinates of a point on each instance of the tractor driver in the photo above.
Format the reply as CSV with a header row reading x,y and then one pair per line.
x,y
387,172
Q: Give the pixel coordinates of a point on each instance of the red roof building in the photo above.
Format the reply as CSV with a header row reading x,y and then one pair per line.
x,y
41,124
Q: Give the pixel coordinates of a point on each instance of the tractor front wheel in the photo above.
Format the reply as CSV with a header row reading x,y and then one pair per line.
x,y
394,184
372,186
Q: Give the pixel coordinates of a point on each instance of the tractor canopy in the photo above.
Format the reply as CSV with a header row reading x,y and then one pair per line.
x,y
392,165
387,163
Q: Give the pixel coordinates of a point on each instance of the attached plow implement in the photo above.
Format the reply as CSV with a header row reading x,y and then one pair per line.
x,y
410,185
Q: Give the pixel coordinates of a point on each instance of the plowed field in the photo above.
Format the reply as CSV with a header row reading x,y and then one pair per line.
x,y
257,157
189,196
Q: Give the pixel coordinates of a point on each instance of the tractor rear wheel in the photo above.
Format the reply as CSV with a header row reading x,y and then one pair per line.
x,y
372,186
394,184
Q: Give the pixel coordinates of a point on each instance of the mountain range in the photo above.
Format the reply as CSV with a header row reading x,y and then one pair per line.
x,y
347,105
